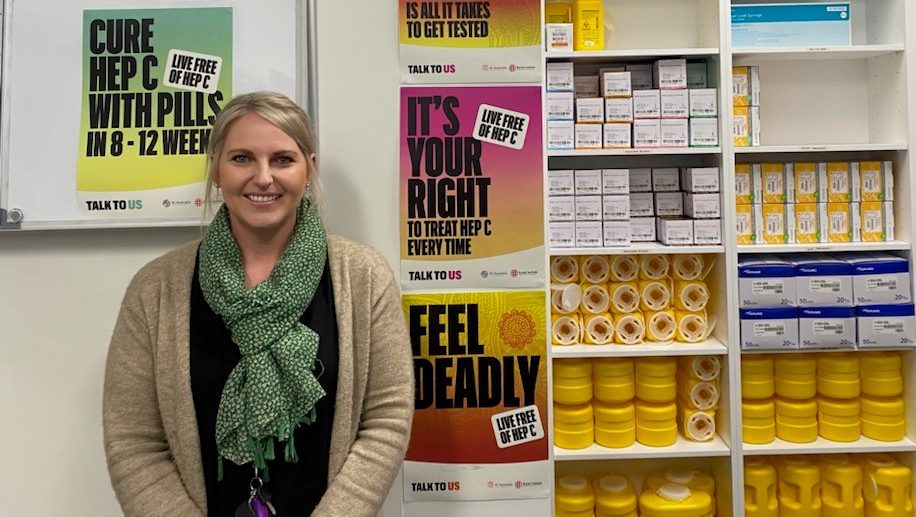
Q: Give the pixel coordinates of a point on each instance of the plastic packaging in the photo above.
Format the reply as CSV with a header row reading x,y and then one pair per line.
x,y
757,381
758,421
656,423
795,376
692,327
883,418
654,295
653,267
838,419
700,367
630,328
799,487
624,297
614,497
796,420
672,499
886,487
599,329
838,375
564,269
656,379
841,486
594,269
697,425
690,295
880,373
595,298
572,381
624,268
615,424
574,497
760,489
565,329
613,379
588,24
661,326
573,426
693,479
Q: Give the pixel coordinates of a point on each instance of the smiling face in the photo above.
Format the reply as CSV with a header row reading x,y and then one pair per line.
x,y
263,175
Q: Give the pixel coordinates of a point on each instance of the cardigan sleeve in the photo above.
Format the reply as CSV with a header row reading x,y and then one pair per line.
x,y
143,472
375,458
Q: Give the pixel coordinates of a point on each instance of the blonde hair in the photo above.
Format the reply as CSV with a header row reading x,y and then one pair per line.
x,y
275,108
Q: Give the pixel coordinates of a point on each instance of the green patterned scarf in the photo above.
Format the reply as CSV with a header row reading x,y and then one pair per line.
x,y
272,390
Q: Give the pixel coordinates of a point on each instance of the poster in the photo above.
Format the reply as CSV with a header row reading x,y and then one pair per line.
x,y
471,166
153,81
470,42
480,425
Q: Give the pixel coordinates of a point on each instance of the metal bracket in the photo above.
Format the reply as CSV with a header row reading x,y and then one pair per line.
x,y
10,219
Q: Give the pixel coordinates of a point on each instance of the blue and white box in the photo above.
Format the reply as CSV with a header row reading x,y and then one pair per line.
x,y
766,282
791,24
823,282
886,325
879,278
769,329
827,327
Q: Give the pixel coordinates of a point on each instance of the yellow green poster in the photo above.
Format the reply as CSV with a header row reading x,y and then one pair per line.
x,y
153,81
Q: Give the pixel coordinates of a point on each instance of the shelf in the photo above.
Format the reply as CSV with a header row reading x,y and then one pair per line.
x,y
821,148
636,152
640,248
636,54
711,346
824,247
829,350
683,448
822,446
814,53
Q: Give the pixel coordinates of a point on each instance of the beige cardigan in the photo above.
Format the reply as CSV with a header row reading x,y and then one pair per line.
x,y
151,437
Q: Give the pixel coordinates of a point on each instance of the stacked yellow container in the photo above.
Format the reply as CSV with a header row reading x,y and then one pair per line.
x,y
838,397
573,413
698,396
758,412
882,404
796,407
656,390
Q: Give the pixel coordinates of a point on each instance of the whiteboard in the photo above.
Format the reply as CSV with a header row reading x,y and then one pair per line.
x,y
43,97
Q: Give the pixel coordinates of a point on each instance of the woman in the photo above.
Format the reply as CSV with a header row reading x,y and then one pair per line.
x,y
267,354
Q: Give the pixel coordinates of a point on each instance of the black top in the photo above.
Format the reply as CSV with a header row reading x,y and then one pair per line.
x,y
296,488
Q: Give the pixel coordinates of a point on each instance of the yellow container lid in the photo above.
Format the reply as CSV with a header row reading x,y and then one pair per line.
x,y
574,494
843,362
758,469
572,368
837,407
614,495
877,361
607,412
883,406
758,409
574,439
674,500
612,366
796,408
573,413
692,479
656,366
757,364
655,411
801,364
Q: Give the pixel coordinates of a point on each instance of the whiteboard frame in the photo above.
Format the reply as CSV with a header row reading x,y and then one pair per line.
x,y
306,96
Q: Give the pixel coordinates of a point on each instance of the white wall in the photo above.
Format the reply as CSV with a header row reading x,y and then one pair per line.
x,y
60,291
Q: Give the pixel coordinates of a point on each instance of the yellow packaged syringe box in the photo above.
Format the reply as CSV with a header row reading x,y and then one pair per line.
x,y
876,180
843,222
778,223
877,221
778,181
810,223
810,182
748,219
747,183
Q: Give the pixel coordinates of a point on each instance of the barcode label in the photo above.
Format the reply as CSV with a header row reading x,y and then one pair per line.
x,y
773,183
839,222
806,223
767,287
742,184
744,223
826,328
871,182
887,327
740,86
839,182
880,284
740,126
769,329
820,285
872,221
807,183
774,223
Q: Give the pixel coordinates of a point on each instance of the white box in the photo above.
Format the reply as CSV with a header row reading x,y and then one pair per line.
x,y
617,135
674,232
562,234
589,136
707,231
886,325
560,183
879,278
700,179
589,234
641,180
704,102
590,111
587,182
615,181
642,229
616,208
618,109
696,75
670,74
642,204
823,281
704,132
769,329
616,233
616,84
561,208
766,282
558,36
640,76
647,104
560,105
675,103
559,77
827,327
666,179
560,135
588,208
702,206
647,134
669,204
674,132
586,86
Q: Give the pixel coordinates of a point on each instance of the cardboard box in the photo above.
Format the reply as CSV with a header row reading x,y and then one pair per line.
x,y
586,86
560,105
590,111
670,74
642,204
561,208
615,182
766,282
558,37
589,136
843,223
748,223
641,180
589,208
647,134
647,104
640,76
562,234
674,132
746,86
747,184
876,180
616,233
560,135
769,329
778,182
618,109
675,103
827,327
559,77
666,179
616,208
707,231
589,234
885,325
674,232
879,278
616,84
696,75
704,102
823,281
704,132
700,179
617,136
587,182
642,229
842,185
877,220
810,182
778,223
560,183
744,131
702,206
810,223
777,24
669,204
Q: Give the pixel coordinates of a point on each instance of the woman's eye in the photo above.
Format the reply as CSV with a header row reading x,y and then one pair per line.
x,y
239,158
284,160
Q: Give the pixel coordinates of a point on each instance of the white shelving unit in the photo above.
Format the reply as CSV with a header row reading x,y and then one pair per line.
x,y
818,103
